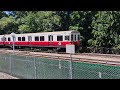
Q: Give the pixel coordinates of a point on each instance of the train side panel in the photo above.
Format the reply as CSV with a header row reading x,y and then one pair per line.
x,y
51,39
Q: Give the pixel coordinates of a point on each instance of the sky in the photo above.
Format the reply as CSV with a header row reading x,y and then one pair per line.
x,y
7,12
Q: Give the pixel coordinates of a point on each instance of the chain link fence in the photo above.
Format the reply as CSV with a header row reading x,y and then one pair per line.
x,y
34,67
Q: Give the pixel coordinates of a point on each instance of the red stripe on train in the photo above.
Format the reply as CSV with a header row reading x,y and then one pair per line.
x,y
54,43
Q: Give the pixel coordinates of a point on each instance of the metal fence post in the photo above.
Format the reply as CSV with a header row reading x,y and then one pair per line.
x,y
35,69
44,75
70,65
59,64
10,65
100,75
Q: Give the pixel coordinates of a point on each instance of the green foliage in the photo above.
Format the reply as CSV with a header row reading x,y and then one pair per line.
x,y
6,24
106,29
40,21
23,28
101,29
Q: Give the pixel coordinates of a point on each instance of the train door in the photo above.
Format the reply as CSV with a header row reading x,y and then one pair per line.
x,y
50,39
29,40
9,39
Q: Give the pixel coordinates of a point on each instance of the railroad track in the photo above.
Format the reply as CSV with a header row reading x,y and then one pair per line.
x,y
75,57
37,50
101,55
53,52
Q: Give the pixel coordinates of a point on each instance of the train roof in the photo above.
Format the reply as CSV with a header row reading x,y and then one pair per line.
x,y
46,33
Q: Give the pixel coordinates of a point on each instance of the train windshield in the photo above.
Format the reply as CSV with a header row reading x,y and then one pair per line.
x,y
72,37
75,37
78,37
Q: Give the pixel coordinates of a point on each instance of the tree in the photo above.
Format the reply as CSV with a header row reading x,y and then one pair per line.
x,y
65,20
2,14
38,21
102,34
7,25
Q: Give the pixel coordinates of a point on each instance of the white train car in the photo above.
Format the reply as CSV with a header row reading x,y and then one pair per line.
x,y
52,40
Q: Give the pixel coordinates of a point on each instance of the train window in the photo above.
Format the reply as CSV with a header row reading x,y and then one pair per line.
x,y
4,39
75,37
36,38
41,38
8,38
67,38
78,37
23,38
72,37
14,38
29,38
19,38
60,38
50,38
1,39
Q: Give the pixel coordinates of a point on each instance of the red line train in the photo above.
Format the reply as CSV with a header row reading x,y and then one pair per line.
x,y
49,40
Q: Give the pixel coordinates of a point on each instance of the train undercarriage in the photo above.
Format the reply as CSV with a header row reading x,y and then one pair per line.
x,y
43,49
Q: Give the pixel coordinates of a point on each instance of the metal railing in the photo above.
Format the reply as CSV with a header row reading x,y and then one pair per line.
x,y
44,67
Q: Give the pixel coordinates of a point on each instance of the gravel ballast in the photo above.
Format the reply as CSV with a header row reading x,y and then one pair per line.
x,y
6,76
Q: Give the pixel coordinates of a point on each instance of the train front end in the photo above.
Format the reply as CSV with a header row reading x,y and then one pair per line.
x,y
75,39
